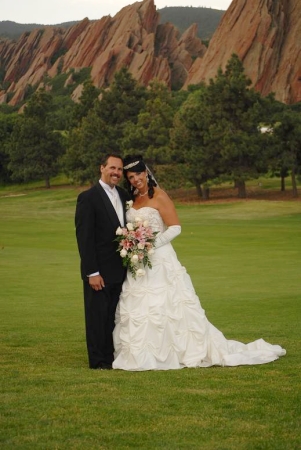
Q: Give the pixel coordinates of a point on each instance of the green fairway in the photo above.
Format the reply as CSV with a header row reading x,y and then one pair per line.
x,y
244,258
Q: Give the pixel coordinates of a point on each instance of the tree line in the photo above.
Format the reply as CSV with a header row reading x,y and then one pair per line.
x,y
211,133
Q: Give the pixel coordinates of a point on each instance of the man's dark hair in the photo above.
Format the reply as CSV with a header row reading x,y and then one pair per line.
x,y
104,158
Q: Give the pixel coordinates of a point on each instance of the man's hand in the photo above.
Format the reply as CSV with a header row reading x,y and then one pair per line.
x,y
96,282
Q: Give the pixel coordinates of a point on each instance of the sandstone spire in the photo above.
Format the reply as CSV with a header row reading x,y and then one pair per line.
x,y
266,35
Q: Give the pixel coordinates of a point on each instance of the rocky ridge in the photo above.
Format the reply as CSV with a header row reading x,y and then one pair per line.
x,y
132,38
266,35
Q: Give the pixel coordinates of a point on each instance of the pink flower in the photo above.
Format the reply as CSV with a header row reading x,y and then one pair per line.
x,y
140,234
135,246
126,244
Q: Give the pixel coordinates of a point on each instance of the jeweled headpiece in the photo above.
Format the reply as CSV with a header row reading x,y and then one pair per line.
x,y
133,164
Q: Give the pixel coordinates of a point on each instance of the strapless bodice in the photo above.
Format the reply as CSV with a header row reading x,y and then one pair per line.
x,y
152,215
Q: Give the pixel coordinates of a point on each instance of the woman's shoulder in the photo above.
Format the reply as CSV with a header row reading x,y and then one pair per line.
x,y
161,200
160,195
166,207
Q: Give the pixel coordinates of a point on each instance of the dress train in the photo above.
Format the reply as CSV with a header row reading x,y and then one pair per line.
x,y
160,324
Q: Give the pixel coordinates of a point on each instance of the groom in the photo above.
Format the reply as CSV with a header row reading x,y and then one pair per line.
x,y
99,212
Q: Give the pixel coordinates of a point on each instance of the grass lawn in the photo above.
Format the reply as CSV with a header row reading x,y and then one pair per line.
x,y
244,258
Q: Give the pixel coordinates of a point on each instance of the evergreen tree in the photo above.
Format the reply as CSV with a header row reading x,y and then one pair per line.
x,y
34,148
86,145
119,106
86,102
222,138
272,111
235,114
286,141
191,145
7,122
150,136
62,115
102,130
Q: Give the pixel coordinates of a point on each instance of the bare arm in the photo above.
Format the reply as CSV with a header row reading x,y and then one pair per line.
x,y
167,209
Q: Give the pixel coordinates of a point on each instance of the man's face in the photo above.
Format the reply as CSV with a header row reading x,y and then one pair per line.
x,y
111,173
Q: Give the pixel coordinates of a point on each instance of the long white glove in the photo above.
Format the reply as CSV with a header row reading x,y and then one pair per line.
x,y
167,235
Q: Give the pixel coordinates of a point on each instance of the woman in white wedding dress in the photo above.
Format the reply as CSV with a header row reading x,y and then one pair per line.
x,y
160,324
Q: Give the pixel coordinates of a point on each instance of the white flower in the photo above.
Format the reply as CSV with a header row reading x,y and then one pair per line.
x,y
130,226
119,231
136,242
140,272
134,259
129,204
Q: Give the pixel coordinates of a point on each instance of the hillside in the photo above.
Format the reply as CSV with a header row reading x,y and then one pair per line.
x,y
13,30
182,17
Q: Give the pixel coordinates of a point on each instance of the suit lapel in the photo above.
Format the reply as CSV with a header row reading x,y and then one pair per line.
x,y
123,201
108,205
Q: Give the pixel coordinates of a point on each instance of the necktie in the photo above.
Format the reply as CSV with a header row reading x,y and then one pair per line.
x,y
115,200
117,205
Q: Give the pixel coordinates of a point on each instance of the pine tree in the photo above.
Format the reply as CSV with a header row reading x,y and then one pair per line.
x,y
151,135
35,148
286,142
191,147
7,122
101,131
86,102
220,132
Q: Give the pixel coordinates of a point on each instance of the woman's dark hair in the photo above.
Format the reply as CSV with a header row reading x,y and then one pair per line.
x,y
135,163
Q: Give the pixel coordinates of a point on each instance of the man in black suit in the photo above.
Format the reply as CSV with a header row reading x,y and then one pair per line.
x,y
99,212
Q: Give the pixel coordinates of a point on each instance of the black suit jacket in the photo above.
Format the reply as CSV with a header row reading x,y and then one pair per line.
x,y
96,222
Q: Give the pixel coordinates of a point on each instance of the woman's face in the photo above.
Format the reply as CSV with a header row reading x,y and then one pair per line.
x,y
138,180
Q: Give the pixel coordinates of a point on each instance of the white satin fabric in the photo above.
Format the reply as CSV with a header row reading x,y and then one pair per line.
x,y
160,324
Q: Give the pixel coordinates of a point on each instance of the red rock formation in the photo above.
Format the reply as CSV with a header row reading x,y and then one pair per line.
x,y
3,97
266,35
132,38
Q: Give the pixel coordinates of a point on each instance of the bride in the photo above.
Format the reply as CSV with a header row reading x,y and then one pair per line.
x,y
160,324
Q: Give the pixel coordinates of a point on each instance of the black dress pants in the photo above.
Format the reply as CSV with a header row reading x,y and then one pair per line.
x,y
100,307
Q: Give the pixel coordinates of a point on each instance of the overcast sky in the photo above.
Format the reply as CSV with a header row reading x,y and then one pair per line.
x,y
59,11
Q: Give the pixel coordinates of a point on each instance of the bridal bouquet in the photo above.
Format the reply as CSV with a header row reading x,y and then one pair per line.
x,y
136,244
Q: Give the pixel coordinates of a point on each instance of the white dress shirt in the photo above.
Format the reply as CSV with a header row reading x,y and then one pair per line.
x,y
113,195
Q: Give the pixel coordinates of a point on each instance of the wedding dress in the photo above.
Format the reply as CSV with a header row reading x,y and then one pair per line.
x,y
160,324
